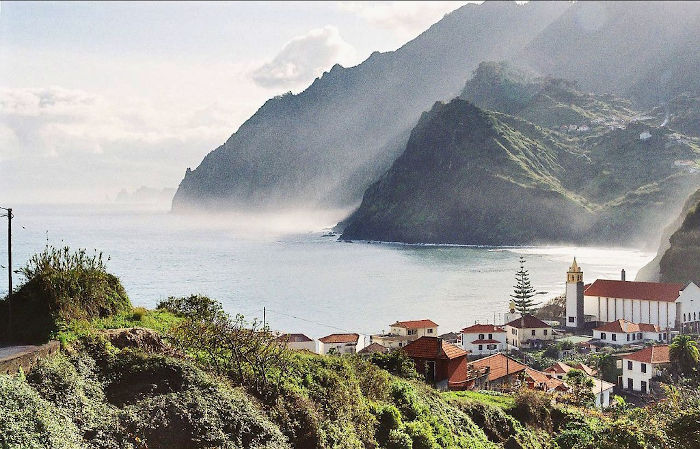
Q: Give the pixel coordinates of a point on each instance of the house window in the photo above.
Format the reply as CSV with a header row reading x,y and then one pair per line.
x,y
430,331
491,347
533,332
614,337
660,337
684,317
629,365
628,337
490,336
545,331
571,319
630,383
602,336
644,367
639,336
665,336
481,347
481,336
412,331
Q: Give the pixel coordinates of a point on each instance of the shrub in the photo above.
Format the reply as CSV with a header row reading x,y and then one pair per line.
x,y
139,313
421,435
399,440
389,419
195,307
533,408
62,286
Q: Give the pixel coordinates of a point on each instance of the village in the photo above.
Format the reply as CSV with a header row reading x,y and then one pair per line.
x,y
612,340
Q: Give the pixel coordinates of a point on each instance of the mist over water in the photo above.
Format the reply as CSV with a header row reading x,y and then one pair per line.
x,y
308,283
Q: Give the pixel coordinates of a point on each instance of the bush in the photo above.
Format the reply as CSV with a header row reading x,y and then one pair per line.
x,y
399,440
195,307
421,435
396,362
60,287
139,313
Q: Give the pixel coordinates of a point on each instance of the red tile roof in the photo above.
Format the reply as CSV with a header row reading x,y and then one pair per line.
x,y
627,327
433,348
374,347
500,366
416,324
563,368
651,354
339,338
293,338
558,368
485,342
528,322
482,328
655,291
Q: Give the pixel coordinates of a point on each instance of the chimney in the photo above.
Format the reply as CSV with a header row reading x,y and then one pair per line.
x,y
622,275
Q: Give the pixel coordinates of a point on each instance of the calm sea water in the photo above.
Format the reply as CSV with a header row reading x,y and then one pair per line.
x,y
307,282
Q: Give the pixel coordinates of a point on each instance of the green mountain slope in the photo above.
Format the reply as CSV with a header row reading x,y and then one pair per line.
x,y
470,176
680,261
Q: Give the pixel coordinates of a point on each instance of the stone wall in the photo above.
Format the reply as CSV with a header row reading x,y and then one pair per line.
x,y
27,357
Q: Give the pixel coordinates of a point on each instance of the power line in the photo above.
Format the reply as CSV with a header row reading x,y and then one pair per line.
x,y
313,322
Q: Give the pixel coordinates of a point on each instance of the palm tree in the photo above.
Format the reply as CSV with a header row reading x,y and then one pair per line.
x,y
684,354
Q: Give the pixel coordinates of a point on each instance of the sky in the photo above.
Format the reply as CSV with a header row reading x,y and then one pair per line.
x,y
100,97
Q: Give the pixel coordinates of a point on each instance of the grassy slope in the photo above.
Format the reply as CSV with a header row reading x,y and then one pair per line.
x,y
471,176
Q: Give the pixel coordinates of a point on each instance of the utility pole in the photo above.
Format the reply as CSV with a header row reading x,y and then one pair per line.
x,y
264,318
8,214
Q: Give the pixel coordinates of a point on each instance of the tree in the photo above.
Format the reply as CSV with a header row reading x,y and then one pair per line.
x,y
607,368
524,292
684,354
581,385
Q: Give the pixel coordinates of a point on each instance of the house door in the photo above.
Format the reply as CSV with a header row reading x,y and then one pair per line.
x,y
430,371
630,383
644,386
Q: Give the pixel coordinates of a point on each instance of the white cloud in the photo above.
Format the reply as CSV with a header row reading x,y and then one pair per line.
x,y
405,19
68,140
305,57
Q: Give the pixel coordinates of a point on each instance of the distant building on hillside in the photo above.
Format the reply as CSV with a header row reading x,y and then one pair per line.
x,y
668,306
402,333
622,332
529,332
298,342
372,349
482,339
639,368
339,344
645,135
442,363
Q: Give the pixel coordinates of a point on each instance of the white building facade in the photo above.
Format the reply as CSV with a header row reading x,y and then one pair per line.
x,y
483,339
623,332
666,305
640,367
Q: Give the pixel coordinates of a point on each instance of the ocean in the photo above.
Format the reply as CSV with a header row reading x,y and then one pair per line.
x,y
306,281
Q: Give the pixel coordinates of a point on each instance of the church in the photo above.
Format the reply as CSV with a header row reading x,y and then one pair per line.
x,y
669,306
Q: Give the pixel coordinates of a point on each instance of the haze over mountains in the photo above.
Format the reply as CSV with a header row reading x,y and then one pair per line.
x,y
325,146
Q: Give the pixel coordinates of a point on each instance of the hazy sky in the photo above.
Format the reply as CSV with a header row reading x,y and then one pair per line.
x,y
96,97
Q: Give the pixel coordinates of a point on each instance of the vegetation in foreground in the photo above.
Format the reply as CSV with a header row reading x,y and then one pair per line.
x,y
220,382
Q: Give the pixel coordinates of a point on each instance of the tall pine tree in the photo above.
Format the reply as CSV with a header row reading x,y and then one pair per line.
x,y
524,292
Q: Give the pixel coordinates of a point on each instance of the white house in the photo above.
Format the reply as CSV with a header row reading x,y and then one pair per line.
x,y
639,367
622,332
602,391
403,332
688,309
481,339
339,344
645,135
668,306
298,342
528,332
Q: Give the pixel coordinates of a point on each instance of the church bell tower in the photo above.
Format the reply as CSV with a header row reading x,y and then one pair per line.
x,y
574,296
